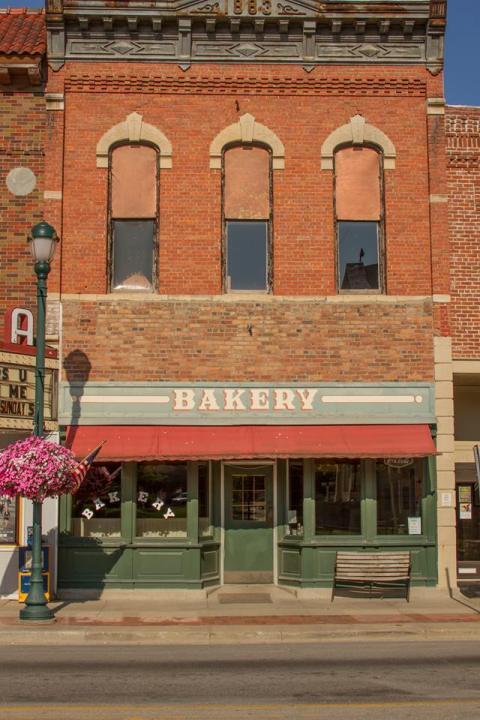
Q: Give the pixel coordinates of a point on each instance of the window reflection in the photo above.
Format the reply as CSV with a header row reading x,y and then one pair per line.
x,y
161,500
96,507
204,501
295,498
399,496
358,255
337,498
248,498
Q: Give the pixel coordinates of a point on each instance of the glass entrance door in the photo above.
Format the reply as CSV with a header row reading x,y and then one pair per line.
x,y
248,556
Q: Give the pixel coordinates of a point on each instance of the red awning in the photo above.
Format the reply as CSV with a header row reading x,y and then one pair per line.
x,y
174,442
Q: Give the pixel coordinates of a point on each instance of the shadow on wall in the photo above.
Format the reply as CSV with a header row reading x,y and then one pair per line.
x,y
77,368
85,567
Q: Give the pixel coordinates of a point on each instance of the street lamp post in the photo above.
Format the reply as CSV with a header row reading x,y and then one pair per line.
x,y
43,242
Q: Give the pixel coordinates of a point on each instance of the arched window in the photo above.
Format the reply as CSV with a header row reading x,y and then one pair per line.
x,y
247,213
133,216
359,218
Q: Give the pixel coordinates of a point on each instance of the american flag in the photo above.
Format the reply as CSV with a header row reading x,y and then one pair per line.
x,y
79,472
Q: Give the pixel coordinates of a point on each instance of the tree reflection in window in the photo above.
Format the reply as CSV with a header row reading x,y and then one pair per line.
x,y
161,500
337,498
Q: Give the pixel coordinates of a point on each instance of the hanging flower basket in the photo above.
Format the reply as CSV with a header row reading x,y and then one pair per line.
x,y
36,469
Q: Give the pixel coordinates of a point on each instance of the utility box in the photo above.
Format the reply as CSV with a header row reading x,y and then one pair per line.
x,y
25,571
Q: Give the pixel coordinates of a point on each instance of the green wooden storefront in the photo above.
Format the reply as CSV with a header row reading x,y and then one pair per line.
x,y
228,547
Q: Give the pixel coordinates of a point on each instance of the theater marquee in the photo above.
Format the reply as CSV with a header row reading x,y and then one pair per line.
x,y
17,391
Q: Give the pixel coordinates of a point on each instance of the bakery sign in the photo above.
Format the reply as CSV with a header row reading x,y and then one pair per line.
x,y
158,403
17,391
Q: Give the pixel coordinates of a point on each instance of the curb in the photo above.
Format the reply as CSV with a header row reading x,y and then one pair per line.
x,y
247,634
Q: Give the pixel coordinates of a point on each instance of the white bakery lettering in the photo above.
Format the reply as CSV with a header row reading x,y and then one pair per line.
x,y
238,400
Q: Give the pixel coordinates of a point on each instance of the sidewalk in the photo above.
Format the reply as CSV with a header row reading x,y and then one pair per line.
x,y
243,614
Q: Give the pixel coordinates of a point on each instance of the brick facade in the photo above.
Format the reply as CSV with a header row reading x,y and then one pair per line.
x,y
22,134
191,110
299,82
463,156
289,340
22,145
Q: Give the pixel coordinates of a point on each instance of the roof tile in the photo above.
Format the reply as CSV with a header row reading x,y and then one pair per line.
x,y
22,32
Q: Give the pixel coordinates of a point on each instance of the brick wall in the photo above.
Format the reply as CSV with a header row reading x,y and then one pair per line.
x,y
22,130
191,109
463,158
209,340
198,339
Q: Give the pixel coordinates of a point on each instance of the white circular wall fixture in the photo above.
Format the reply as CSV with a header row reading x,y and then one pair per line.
x,y
21,181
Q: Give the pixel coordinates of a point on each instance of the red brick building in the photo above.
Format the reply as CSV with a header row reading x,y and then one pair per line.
x,y
463,163
23,127
22,136
255,302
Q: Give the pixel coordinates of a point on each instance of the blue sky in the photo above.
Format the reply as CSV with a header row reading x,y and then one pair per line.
x,y
462,70
462,67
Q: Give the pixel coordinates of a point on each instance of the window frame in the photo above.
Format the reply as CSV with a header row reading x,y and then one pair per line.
x,y
211,527
369,534
156,224
18,504
382,275
269,222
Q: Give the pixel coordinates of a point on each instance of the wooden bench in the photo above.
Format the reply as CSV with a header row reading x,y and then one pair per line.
x,y
379,569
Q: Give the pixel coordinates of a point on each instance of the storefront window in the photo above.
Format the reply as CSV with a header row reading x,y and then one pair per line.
x,y
295,498
337,498
8,520
468,513
96,507
204,501
161,500
399,497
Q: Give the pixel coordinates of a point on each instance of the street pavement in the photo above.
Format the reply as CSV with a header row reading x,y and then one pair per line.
x,y
321,681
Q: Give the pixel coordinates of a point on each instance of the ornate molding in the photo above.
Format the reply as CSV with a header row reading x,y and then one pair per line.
x,y
247,131
358,132
133,129
302,31
179,84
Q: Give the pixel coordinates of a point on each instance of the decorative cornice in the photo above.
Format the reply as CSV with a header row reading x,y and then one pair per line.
x,y
246,85
265,31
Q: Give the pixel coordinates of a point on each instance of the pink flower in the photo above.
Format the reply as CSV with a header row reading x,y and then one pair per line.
x,y
36,469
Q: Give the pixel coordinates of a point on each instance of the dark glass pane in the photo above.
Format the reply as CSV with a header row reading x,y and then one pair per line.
x,y
358,255
247,249
161,500
468,513
96,507
133,243
295,499
337,498
399,497
204,519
